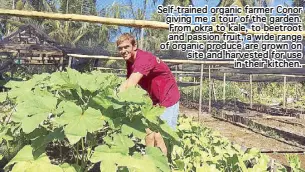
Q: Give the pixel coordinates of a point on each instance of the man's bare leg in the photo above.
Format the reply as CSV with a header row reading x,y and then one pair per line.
x,y
155,140
150,138
159,142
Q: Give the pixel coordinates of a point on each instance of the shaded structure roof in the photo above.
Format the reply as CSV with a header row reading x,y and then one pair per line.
x,y
30,45
30,39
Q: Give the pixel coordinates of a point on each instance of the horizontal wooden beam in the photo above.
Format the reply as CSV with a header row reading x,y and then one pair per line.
x,y
114,21
105,68
195,72
35,63
165,60
30,52
41,58
86,18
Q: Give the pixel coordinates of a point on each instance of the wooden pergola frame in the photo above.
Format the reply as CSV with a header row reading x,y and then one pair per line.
x,y
112,21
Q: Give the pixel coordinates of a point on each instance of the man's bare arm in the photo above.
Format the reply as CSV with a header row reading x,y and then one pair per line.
x,y
133,80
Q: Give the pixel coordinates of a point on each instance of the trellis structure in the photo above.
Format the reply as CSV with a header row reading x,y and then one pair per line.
x,y
29,45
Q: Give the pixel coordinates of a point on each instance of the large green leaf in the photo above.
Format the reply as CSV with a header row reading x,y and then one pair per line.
x,y
26,155
36,167
152,113
3,96
106,80
39,144
70,168
111,159
132,95
89,82
120,144
107,156
79,122
22,89
25,162
34,111
66,81
167,131
135,127
29,84
102,100
4,133
20,94
158,158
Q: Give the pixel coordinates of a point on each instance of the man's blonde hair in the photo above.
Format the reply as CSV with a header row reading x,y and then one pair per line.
x,y
124,37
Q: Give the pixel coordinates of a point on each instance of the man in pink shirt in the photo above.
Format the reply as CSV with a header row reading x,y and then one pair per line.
x,y
154,76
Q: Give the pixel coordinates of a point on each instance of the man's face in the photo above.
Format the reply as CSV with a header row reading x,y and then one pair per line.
x,y
127,50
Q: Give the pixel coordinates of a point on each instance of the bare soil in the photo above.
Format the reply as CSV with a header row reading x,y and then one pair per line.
x,y
292,125
245,137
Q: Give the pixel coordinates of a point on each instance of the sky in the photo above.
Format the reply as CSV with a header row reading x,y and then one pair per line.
x,y
151,8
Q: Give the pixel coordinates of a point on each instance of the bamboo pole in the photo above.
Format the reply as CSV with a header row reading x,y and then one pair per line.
x,y
106,68
295,92
200,92
214,90
187,94
61,64
116,21
70,62
180,77
284,95
293,76
251,89
194,89
142,39
176,67
86,18
210,90
165,60
224,88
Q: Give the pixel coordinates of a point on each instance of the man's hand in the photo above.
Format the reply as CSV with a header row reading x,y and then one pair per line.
x,y
133,80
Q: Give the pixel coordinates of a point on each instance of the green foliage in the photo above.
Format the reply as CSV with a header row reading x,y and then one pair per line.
x,y
294,162
204,150
79,112
83,115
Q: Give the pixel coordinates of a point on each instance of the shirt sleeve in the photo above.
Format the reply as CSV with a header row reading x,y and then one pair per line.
x,y
145,65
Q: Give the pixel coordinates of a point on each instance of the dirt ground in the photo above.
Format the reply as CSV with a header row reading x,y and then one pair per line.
x,y
291,125
245,137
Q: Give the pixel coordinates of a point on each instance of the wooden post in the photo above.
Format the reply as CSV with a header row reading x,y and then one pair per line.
x,y
284,95
200,92
210,90
176,72
42,58
214,90
194,89
70,62
295,92
251,93
187,94
61,63
142,38
180,77
224,88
